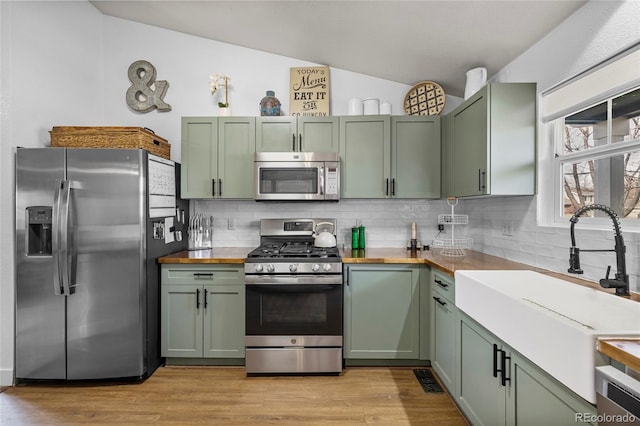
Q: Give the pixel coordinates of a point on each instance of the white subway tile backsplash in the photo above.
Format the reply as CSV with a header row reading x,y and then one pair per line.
x,y
388,224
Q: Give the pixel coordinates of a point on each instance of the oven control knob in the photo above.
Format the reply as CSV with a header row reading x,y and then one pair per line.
x,y
315,267
293,267
270,267
258,267
326,267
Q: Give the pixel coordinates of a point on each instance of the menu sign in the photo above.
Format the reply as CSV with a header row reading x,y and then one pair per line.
x,y
309,91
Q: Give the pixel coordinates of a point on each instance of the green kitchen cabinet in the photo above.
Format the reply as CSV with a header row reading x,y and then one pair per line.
x,y
202,311
538,399
381,312
365,153
297,134
497,386
390,157
217,157
415,157
443,328
489,142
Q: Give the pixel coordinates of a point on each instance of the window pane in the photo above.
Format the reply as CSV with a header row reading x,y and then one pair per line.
x,y
613,181
626,117
585,129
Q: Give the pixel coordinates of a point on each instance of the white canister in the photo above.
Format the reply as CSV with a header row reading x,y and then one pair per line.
x,y
355,106
385,108
476,78
371,106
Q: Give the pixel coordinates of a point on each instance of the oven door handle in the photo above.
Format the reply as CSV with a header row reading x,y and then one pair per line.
x,y
302,288
311,280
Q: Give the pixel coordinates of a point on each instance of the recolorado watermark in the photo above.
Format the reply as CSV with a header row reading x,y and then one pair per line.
x,y
605,418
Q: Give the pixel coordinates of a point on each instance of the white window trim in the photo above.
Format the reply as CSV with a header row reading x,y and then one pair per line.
x,y
615,76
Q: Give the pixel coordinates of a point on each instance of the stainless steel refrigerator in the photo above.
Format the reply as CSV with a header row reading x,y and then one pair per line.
x,y
90,224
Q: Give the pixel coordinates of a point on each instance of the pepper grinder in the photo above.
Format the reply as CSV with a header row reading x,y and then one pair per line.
x,y
413,243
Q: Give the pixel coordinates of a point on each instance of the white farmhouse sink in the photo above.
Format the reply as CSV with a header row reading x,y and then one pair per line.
x,y
552,322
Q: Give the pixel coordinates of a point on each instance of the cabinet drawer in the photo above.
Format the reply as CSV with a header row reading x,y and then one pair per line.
x,y
203,274
444,284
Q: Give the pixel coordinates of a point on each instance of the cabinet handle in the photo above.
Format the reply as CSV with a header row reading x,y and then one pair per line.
x,y
197,298
393,187
440,302
203,275
205,298
495,360
213,187
481,184
300,141
293,142
386,191
440,283
503,369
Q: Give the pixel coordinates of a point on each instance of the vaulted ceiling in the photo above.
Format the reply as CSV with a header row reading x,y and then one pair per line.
x,y
402,41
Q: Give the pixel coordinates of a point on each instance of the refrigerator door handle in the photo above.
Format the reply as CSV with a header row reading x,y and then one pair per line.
x,y
56,236
60,238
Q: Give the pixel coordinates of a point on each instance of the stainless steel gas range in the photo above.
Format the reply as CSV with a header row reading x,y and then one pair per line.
x,y
293,300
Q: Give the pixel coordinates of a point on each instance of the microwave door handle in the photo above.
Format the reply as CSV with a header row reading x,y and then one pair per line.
x,y
321,181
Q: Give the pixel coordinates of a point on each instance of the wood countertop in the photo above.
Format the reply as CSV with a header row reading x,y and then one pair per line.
x,y
214,255
626,351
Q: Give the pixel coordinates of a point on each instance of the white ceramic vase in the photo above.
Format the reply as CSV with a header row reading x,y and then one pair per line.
x,y
476,78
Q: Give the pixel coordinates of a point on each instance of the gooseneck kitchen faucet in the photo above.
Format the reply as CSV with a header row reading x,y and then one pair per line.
x,y
621,280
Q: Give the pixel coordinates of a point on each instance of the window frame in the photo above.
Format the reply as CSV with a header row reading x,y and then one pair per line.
x,y
607,81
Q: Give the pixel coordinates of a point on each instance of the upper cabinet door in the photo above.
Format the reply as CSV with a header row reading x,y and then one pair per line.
x,y
199,150
365,148
415,157
470,147
276,134
236,146
318,134
301,134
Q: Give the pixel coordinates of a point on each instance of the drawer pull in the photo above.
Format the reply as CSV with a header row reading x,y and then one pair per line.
x,y
440,302
197,298
440,283
203,275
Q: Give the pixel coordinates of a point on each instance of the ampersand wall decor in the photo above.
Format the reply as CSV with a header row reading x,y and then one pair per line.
x,y
145,93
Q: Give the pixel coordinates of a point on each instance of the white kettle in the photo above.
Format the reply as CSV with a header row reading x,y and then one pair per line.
x,y
324,239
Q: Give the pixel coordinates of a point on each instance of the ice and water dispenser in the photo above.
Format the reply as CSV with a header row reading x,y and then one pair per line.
x,y
39,230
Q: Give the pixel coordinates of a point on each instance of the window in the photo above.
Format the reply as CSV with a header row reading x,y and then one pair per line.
x,y
595,169
593,136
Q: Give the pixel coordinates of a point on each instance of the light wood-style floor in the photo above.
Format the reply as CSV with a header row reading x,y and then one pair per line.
x,y
225,396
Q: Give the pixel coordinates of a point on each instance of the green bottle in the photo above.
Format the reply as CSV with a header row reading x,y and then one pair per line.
x,y
355,237
361,243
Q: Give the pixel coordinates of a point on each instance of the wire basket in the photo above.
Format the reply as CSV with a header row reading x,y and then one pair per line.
x,y
453,219
453,247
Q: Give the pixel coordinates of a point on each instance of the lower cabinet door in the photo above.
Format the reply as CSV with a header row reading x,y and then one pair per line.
x,y
535,398
443,323
382,312
481,395
224,319
181,328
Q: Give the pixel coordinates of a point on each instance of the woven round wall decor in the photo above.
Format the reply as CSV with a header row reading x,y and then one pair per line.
x,y
425,98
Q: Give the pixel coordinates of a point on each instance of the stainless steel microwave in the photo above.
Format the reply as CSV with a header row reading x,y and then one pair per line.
x,y
297,176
